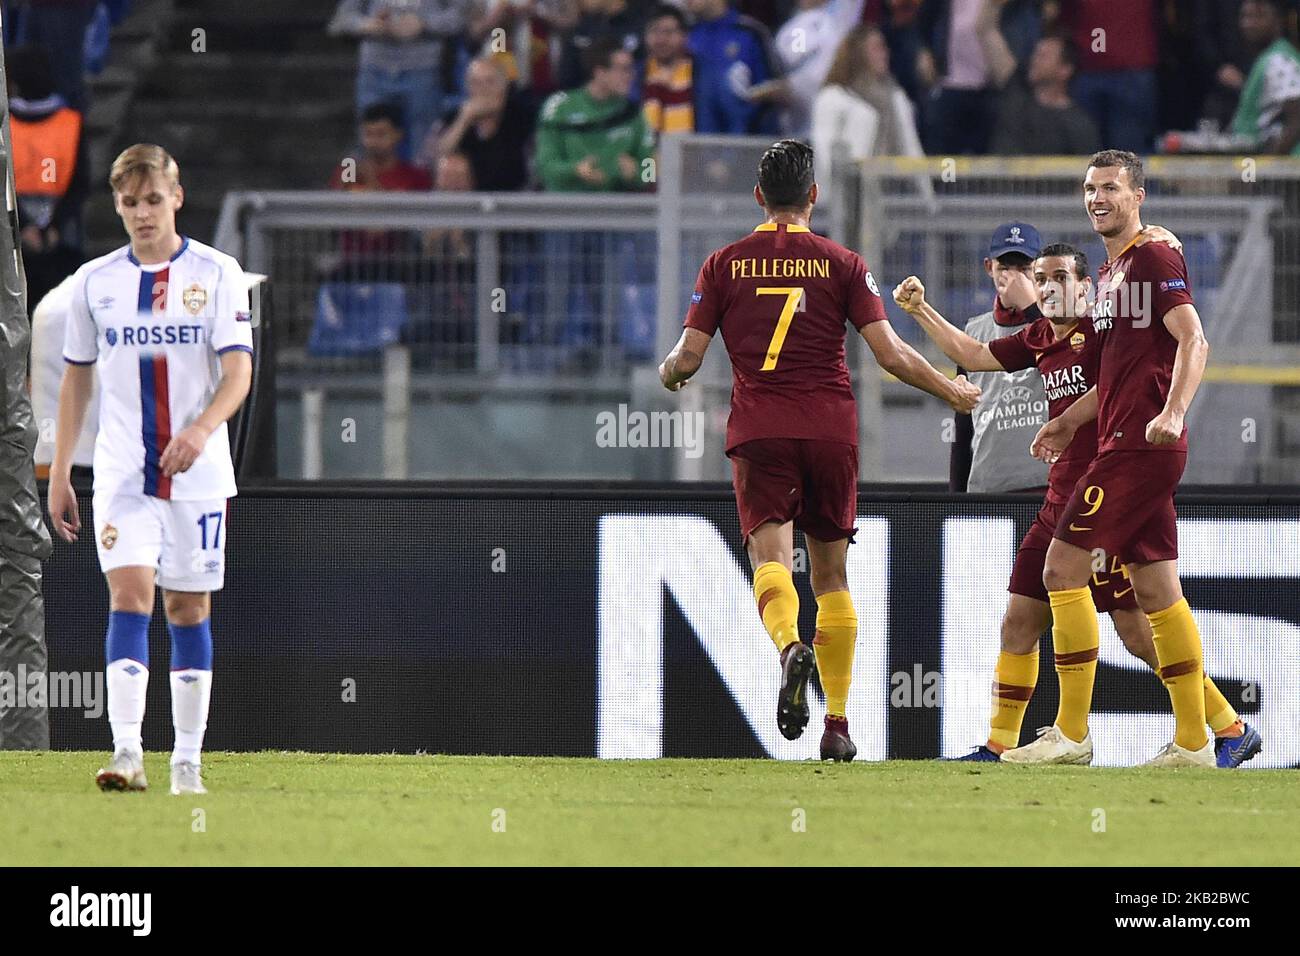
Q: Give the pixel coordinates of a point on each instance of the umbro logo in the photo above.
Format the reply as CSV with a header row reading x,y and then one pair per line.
x,y
105,302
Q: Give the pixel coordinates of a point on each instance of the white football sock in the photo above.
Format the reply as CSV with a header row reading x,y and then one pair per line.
x,y
191,692
127,682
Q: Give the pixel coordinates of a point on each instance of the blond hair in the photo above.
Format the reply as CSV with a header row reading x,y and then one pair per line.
x,y
142,159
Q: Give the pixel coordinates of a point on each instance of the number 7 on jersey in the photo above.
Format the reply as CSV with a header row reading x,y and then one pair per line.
x,y
793,298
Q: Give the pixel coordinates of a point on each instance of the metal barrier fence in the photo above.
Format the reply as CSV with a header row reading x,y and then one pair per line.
x,y
442,320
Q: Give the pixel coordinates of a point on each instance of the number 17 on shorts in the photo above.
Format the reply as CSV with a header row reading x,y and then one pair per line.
x,y
184,541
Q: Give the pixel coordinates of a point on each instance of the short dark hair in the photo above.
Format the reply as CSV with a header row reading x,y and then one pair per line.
x,y
1068,52
667,10
600,54
1068,251
785,174
391,112
1123,159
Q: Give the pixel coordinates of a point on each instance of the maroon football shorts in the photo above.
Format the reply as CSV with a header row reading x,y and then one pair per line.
x,y
1111,589
1124,506
811,482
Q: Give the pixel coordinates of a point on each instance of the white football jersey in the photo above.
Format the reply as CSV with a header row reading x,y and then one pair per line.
x,y
156,334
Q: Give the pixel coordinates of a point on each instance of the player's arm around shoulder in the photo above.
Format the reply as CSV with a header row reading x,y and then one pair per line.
x,y
968,352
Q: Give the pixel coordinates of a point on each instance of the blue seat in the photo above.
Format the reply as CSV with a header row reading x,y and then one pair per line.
x,y
357,318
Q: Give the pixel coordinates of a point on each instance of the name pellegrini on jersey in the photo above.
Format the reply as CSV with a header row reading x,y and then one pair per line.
x,y
780,268
1064,382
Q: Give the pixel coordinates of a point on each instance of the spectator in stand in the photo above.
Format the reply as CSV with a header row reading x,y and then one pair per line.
x,y
373,253
492,129
381,166
1035,113
962,106
594,138
616,20
51,171
862,109
441,326
529,29
668,90
806,44
1118,46
1270,100
735,58
909,57
405,46
60,26
1222,59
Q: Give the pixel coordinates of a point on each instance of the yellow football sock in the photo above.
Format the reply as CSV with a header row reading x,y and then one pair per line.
x,y
1074,637
837,635
1219,713
778,603
1178,649
1014,680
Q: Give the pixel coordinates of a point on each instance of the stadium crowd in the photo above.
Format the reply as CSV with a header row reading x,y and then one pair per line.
x,y
573,95
519,93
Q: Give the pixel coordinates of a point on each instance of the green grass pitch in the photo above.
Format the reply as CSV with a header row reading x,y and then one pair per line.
x,y
297,808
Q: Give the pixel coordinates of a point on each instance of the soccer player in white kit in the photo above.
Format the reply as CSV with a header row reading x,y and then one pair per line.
x,y
165,321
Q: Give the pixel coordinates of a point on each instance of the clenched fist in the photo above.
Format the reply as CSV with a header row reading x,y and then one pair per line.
x,y
1165,429
910,294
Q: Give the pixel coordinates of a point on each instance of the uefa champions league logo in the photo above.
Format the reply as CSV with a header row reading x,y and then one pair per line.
x,y
1015,235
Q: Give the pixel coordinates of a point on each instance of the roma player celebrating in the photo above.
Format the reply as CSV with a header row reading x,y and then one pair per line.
x,y
1061,345
781,297
1152,353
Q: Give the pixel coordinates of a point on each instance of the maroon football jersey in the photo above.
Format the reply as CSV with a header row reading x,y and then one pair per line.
x,y
1134,292
781,297
1068,366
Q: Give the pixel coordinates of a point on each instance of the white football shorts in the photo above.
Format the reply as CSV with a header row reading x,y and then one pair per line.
x,y
185,541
